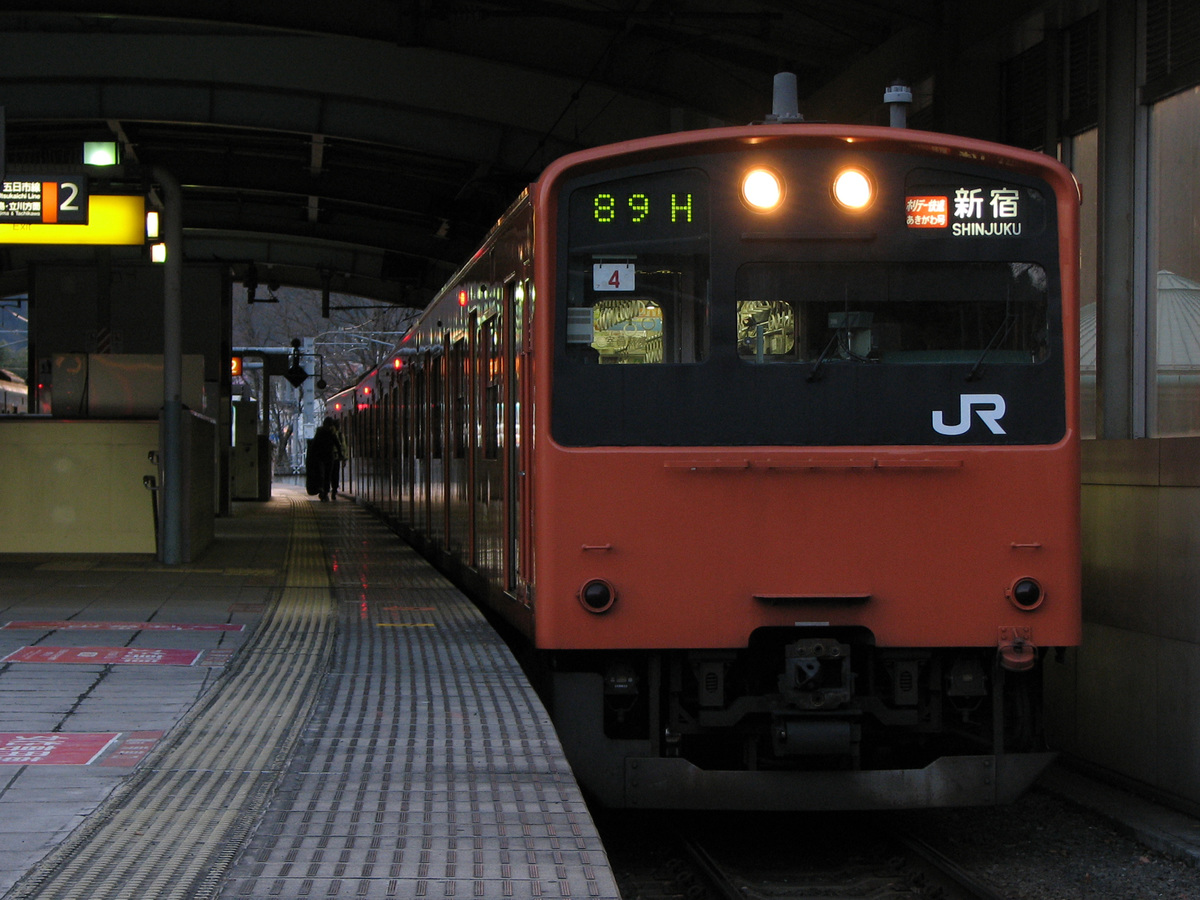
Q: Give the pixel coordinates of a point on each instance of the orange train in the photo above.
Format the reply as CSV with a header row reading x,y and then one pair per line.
x,y
765,440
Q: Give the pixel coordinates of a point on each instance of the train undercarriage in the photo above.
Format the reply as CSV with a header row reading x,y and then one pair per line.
x,y
800,720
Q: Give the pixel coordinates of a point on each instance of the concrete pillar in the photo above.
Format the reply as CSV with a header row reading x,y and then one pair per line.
x,y
1121,313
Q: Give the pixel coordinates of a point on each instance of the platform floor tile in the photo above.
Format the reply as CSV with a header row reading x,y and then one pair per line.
x,y
428,768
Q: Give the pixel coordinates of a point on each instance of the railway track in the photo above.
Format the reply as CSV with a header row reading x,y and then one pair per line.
x,y
759,857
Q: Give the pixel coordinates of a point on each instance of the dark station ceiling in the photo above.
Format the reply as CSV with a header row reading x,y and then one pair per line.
x,y
369,144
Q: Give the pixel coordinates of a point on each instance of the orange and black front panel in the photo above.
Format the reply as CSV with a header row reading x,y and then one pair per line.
x,y
808,294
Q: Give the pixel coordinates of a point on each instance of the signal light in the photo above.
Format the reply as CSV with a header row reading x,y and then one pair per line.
x,y
762,189
463,297
235,366
853,190
597,596
1026,594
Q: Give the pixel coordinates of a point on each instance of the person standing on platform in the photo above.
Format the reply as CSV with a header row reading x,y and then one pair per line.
x,y
340,455
326,451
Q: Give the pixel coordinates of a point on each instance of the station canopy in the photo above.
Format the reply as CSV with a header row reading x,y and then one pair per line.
x,y
366,146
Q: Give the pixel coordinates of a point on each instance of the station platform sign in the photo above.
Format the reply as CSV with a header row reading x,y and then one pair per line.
x,y
45,201
62,210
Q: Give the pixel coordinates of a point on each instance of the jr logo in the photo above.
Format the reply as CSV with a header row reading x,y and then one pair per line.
x,y
989,408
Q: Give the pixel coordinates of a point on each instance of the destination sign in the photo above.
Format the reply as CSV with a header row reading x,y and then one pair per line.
x,y
975,211
47,202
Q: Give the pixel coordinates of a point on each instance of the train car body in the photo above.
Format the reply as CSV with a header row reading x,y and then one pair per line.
x,y
783,494
14,393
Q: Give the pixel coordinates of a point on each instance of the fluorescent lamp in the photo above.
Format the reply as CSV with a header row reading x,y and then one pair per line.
x,y
100,153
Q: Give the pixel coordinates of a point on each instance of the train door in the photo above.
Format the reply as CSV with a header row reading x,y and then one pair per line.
x,y
447,405
514,332
470,387
458,450
489,483
393,510
371,423
437,452
408,491
524,426
424,455
349,426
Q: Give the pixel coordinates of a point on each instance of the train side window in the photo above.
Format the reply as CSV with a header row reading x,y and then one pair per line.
x,y
627,331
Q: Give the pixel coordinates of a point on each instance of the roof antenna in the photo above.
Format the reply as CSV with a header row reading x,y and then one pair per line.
x,y
785,108
897,96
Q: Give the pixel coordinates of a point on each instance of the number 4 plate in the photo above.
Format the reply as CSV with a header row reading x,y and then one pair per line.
x,y
612,277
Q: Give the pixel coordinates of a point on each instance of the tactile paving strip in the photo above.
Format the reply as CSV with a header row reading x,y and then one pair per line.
x,y
172,830
429,767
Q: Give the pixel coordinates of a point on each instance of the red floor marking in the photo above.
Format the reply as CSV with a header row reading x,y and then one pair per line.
x,y
132,748
105,656
116,626
216,658
247,607
56,749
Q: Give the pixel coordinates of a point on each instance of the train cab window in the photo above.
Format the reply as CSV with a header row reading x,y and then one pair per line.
x,y
893,313
649,309
627,331
766,330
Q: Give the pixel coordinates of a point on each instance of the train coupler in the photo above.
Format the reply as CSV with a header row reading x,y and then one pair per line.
x,y
816,674
1016,648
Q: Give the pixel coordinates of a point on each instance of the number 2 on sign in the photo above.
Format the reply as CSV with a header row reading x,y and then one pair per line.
x,y
612,277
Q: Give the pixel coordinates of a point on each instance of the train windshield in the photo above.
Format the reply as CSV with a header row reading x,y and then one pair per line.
x,y
892,313
682,318
647,310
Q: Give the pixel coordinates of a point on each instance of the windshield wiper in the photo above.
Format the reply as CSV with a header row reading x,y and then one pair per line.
x,y
997,339
815,373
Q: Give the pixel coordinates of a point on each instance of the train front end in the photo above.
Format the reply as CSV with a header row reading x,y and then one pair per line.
x,y
805,484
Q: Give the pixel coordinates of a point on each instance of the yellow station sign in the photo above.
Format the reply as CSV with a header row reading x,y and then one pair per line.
x,y
111,219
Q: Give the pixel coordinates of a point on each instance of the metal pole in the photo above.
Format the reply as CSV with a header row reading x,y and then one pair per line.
x,y
308,406
171,549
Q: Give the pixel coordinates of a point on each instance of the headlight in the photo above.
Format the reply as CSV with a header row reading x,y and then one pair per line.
x,y
853,190
762,189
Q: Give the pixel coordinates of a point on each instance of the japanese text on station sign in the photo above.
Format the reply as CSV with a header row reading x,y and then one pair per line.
x,y
45,202
53,749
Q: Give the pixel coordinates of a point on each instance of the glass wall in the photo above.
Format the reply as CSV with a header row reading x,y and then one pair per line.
x,y
1175,279
1084,164
14,354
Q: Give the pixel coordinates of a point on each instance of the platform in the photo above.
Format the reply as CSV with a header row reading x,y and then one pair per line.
x,y
309,710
